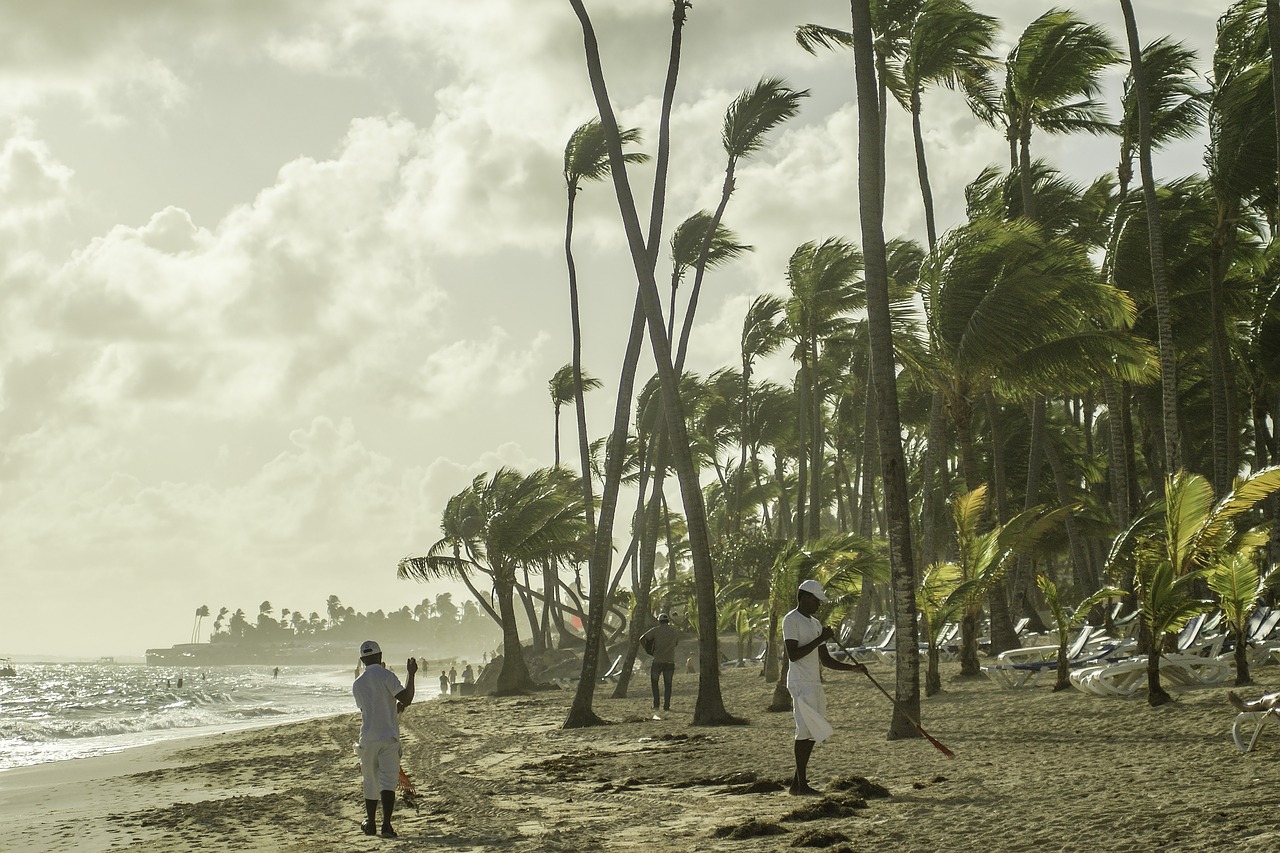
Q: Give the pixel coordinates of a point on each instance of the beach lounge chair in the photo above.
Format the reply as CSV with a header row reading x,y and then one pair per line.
x,y
1257,719
1020,667
615,670
867,654
1127,677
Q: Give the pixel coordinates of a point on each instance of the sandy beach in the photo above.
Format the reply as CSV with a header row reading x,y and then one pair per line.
x,y
1034,771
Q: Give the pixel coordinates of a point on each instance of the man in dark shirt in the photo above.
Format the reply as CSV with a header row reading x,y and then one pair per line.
x,y
661,641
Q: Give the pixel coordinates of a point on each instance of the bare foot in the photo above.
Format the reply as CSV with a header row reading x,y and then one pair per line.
x,y
802,789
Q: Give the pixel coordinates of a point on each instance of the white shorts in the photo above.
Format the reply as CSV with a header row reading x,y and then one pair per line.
x,y
380,762
809,704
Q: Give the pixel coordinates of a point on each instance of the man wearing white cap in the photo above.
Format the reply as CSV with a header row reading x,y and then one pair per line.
x,y
804,635
380,698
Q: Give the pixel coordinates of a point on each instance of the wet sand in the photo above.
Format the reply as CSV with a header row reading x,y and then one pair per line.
x,y
1034,771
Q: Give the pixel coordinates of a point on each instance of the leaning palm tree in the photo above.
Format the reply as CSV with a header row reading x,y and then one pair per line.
x,y
1053,76
821,277
201,612
948,43
586,158
563,390
747,123
709,709
508,523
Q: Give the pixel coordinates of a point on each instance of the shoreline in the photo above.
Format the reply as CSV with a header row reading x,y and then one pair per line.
x,y
1034,771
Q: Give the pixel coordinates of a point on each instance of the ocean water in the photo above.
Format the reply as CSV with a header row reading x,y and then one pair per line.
x,y
54,712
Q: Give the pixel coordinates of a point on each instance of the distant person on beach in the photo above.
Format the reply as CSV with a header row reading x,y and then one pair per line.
x,y
275,673
179,680
444,683
468,677
453,675
661,641
380,697
804,635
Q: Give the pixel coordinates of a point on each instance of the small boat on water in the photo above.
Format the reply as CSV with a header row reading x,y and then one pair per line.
x,y
6,668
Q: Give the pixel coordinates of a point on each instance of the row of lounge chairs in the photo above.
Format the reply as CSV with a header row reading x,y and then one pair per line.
x,y
1106,666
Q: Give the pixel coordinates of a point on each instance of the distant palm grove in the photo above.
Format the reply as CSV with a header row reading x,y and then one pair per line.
x,y
1065,403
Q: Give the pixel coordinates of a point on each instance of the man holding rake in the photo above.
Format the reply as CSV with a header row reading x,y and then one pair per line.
x,y
805,639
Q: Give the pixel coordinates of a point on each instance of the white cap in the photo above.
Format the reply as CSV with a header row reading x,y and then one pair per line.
x,y
369,647
813,588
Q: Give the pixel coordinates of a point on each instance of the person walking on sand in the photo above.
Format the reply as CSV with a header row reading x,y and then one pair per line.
x,y
444,683
805,639
380,697
661,641
453,675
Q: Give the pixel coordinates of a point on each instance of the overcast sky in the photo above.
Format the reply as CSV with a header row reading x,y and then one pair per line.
x,y
278,277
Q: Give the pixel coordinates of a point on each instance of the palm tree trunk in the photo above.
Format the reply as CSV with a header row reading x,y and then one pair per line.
x,y
922,170
888,420
1155,244
640,621
816,442
581,713
1225,464
514,677
579,404
929,515
709,708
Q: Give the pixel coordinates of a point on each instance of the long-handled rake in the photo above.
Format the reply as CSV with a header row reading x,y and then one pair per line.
x,y
903,711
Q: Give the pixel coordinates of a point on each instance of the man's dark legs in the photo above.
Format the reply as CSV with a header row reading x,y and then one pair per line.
x,y
370,826
388,803
800,782
667,671
653,682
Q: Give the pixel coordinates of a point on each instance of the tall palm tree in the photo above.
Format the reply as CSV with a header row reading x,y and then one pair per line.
x,y
762,334
586,158
562,389
948,43
748,121
709,709
687,242
508,523
888,422
820,277
644,252
1155,242
201,612
1052,80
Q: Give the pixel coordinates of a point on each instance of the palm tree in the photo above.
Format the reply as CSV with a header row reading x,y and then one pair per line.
x,y
581,713
1160,285
586,158
201,612
1239,586
820,277
687,243
562,390
762,334
1052,79
750,118
504,524
709,709
1064,623
1185,538
948,43
888,422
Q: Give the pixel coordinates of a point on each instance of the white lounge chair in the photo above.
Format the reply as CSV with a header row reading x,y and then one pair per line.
x,y
1257,719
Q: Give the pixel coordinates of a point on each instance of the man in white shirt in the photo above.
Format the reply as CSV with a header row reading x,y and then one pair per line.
x,y
804,635
380,697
